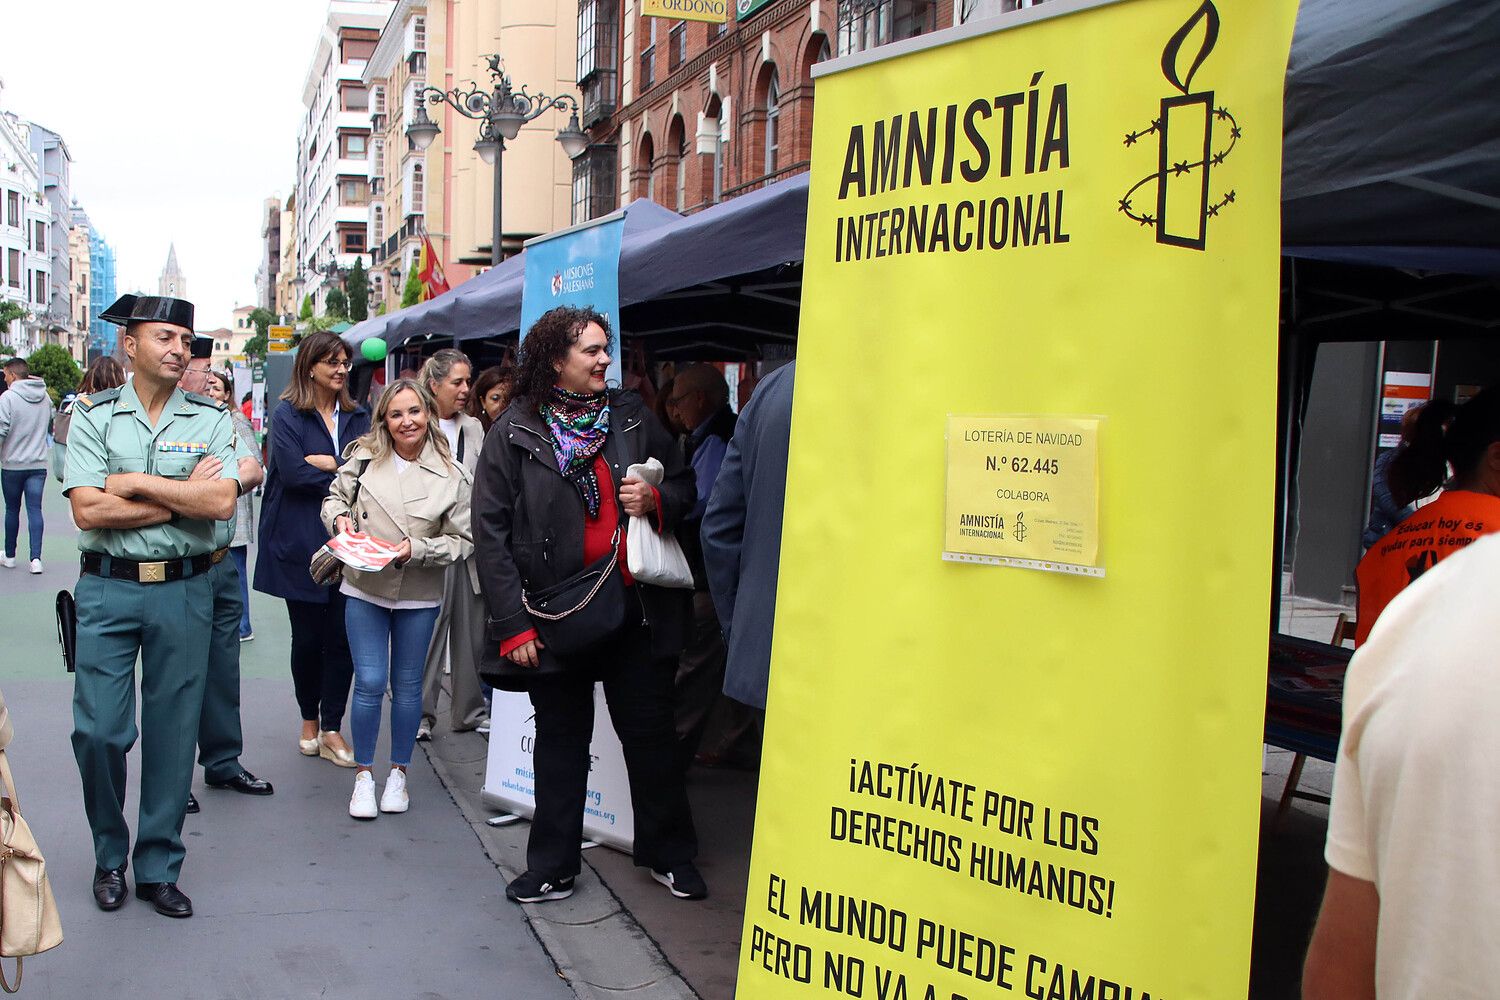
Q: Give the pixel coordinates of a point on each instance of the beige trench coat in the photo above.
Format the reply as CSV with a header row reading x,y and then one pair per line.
x,y
429,505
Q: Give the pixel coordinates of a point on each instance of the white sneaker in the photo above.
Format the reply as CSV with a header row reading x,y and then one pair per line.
x,y
394,799
9,562
36,566
483,729
362,802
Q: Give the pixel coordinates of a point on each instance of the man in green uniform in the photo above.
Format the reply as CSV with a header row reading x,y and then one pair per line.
x,y
220,738
148,541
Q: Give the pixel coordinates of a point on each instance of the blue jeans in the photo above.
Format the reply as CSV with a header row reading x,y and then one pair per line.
x,y
388,647
14,483
241,555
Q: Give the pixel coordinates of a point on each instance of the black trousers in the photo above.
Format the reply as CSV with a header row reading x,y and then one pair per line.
x,y
638,689
322,668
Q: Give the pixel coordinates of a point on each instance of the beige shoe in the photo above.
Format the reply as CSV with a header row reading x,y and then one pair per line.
x,y
310,747
343,758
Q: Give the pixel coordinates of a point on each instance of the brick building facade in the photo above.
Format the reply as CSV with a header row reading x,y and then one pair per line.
x,y
688,113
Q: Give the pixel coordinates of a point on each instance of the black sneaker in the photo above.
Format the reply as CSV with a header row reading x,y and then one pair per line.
x,y
683,881
533,888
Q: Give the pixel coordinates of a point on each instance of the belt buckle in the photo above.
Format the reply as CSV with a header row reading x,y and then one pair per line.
x,y
218,556
151,572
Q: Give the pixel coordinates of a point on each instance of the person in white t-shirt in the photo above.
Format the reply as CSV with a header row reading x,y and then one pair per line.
x,y
459,631
1412,907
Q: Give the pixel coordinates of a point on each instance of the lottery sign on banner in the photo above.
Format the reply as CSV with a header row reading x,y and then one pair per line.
x,y
1024,491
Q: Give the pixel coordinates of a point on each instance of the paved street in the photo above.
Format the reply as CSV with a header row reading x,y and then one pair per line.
x,y
293,898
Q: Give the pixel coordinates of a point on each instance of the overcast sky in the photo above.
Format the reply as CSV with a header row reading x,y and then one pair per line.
x,y
181,116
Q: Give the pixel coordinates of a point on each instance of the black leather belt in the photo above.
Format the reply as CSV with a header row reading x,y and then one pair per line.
x,y
98,564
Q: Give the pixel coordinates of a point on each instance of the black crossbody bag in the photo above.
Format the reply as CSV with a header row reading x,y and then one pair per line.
x,y
583,612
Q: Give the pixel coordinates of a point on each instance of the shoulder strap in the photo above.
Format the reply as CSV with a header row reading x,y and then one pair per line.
x,y
354,497
461,436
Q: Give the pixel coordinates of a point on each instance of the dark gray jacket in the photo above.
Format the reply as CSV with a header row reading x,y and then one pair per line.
x,y
528,521
741,534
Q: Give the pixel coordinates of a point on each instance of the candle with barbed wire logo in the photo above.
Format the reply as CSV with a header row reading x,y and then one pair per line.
x,y
1185,135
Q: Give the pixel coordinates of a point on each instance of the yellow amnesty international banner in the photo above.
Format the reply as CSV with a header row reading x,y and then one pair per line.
x,y
978,781
713,11
1024,491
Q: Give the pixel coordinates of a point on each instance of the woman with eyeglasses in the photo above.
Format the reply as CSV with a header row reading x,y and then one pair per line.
x,y
312,426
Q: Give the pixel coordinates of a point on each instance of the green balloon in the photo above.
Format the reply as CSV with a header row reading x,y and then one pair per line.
x,y
373,349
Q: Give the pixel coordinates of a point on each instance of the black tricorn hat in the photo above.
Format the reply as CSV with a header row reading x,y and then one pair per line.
x,y
149,309
203,347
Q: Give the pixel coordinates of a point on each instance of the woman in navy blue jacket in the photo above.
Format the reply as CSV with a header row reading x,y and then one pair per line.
x,y
315,421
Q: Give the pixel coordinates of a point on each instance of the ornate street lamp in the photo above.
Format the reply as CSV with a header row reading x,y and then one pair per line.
x,y
500,114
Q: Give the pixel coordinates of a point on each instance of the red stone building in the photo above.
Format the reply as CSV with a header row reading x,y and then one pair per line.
x,y
688,113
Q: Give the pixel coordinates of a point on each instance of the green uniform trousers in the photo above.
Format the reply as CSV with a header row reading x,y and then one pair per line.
x,y
167,624
220,740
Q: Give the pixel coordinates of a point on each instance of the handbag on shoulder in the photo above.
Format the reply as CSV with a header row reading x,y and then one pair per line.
x,y
584,611
325,568
29,923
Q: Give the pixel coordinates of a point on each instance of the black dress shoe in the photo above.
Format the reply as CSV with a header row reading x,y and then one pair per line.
x,y
246,783
166,897
192,805
109,888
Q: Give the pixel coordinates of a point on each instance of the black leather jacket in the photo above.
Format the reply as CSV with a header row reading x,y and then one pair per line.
x,y
528,520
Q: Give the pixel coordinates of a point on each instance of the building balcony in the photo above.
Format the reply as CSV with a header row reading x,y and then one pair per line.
x,y
349,167
351,213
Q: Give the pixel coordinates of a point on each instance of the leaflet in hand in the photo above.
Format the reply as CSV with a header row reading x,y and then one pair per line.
x,y
365,553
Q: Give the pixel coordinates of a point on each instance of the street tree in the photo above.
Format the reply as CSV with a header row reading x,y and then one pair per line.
x,y
8,311
262,319
337,304
55,366
411,294
307,307
357,286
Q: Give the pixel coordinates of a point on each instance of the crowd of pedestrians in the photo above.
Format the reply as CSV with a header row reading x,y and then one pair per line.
x,y
503,503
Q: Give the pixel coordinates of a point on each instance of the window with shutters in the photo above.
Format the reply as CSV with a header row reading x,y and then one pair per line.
x,y
595,175
598,59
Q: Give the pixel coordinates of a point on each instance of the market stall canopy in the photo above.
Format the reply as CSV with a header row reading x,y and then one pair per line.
x,y
481,307
725,282
1392,135
720,273
364,330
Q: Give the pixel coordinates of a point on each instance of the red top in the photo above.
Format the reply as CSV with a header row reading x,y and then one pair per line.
x,y
597,531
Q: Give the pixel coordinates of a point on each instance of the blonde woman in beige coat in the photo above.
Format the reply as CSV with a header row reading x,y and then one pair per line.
x,y
398,483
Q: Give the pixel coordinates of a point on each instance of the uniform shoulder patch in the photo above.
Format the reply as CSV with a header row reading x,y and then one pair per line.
x,y
205,401
93,399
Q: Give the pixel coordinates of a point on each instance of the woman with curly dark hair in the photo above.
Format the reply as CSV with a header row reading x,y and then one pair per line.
x,y
551,500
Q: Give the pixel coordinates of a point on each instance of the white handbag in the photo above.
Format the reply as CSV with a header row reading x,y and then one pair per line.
x,y
29,922
654,557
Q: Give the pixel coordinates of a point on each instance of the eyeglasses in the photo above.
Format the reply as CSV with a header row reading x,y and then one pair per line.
x,y
341,365
674,400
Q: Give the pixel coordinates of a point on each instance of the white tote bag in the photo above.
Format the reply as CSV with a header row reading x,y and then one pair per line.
x,y
654,557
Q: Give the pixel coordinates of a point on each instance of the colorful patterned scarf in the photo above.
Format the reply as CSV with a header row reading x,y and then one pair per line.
x,y
579,424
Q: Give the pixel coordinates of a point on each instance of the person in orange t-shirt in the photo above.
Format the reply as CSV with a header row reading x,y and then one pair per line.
x,y
1468,508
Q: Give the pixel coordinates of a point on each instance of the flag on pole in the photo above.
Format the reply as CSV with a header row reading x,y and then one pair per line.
x,y
430,272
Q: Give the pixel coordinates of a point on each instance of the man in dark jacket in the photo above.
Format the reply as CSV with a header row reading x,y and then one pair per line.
x,y
700,403
742,534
